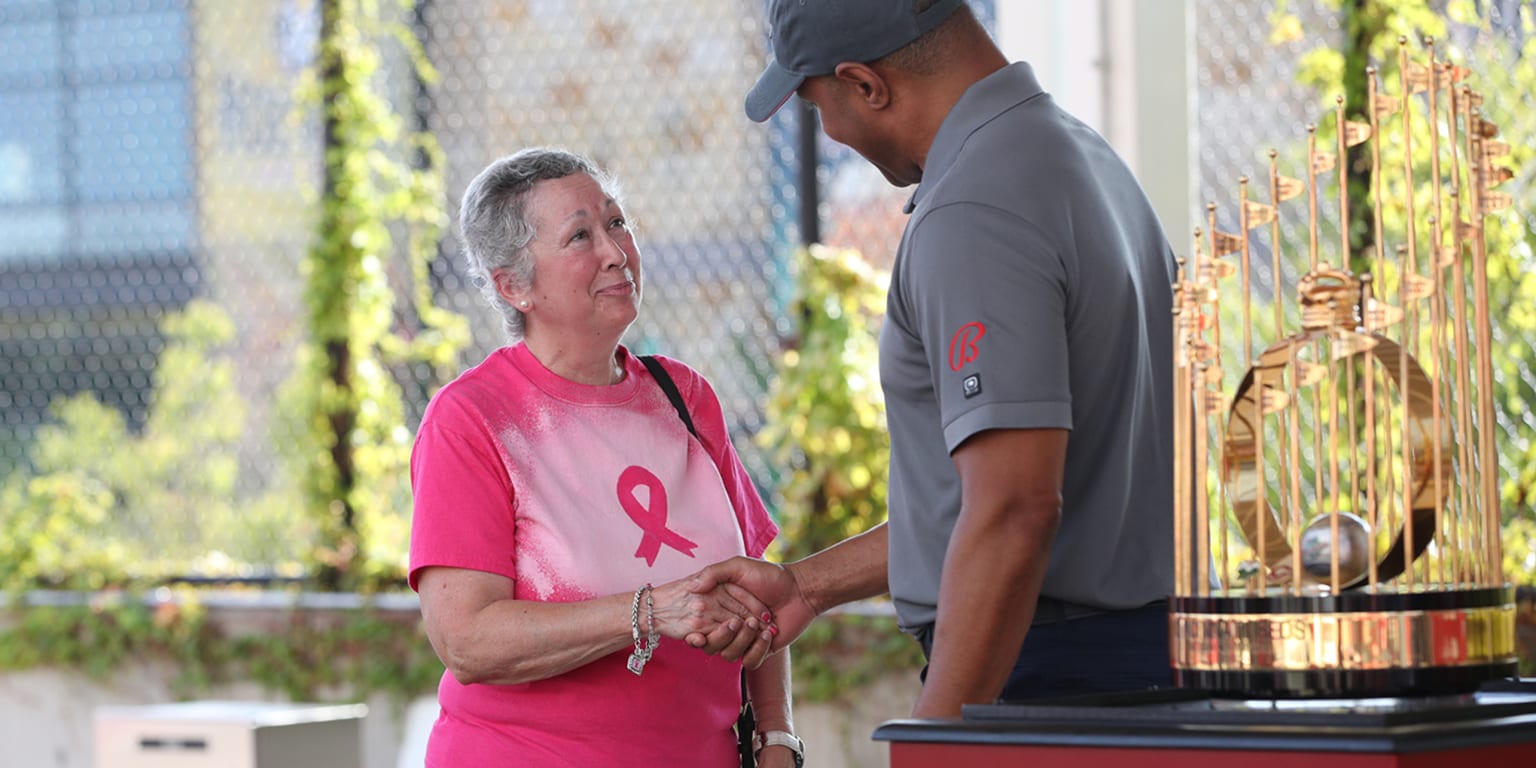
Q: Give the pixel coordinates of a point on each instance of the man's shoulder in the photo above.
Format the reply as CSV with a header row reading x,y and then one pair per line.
x,y
1004,163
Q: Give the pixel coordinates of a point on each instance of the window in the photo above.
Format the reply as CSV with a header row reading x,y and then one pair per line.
x,y
95,130
98,204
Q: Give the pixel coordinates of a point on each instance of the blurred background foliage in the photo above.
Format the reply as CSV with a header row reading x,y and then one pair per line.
x,y
826,415
87,515
825,428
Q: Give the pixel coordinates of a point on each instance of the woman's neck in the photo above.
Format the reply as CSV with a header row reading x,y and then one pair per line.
x,y
598,366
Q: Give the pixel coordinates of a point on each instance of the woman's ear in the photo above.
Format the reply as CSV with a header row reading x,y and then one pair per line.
x,y
512,290
870,86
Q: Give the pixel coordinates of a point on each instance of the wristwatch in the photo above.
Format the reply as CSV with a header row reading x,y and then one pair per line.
x,y
783,739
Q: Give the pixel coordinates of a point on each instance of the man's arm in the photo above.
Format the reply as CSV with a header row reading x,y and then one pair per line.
x,y
852,569
1010,509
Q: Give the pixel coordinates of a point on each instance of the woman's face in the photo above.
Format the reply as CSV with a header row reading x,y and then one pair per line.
x,y
586,265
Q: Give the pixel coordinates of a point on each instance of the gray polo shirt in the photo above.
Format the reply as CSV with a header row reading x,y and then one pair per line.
x,y
1032,290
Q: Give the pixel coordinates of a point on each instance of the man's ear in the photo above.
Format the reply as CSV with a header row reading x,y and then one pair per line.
x,y
871,87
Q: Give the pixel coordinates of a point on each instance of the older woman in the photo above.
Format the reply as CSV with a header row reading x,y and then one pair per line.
x,y
562,503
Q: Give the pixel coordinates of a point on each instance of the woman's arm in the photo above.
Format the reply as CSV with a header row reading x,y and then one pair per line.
x,y
483,635
768,687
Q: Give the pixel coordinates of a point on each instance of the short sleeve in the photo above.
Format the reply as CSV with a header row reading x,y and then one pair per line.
x,y
462,508
988,295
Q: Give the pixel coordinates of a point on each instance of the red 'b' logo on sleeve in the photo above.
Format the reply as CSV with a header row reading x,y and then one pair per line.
x,y
962,348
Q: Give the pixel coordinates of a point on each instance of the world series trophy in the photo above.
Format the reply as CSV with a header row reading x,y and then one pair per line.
x,y
1337,506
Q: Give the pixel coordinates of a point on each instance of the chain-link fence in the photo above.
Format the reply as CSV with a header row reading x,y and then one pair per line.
x,y
153,152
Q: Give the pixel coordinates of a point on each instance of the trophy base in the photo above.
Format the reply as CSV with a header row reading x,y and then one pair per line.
x,y
1358,643
1354,683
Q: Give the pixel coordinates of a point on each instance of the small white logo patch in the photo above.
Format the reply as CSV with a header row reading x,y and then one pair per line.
x,y
972,385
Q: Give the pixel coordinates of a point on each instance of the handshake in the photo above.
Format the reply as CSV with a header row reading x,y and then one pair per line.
x,y
741,609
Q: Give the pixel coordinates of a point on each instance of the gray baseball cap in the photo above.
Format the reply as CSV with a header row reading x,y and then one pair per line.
x,y
811,37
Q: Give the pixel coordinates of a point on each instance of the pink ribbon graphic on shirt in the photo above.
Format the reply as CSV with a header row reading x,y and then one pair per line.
x,y
652,520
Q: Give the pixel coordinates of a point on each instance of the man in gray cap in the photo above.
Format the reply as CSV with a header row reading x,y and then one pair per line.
x,y
1025,358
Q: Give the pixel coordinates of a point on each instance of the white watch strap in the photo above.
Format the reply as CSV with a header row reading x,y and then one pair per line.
x,y
782,739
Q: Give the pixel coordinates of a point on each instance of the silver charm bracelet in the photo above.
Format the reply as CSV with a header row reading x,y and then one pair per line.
x,y
642,653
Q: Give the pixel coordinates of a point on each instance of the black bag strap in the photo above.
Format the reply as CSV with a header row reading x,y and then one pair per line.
x,y
746,721
665,380
746,727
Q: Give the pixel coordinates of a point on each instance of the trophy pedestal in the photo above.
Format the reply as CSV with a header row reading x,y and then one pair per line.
x,y
1358,644
1494,726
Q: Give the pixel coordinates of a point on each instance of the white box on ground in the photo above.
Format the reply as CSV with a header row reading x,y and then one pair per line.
x,y
230,734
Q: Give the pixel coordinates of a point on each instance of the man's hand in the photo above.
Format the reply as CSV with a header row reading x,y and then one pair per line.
x,y
680,610
745,578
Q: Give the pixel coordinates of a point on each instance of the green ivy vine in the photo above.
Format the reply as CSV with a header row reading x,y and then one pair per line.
x,y
319,655
377,175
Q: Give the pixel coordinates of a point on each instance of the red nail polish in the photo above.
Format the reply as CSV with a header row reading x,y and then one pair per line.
x,y
774,630
767,616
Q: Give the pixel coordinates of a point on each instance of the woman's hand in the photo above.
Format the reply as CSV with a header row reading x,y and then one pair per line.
x,y
720,612
678,610
754,580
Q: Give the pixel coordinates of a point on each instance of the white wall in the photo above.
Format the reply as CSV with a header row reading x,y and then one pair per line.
x,y
1123,67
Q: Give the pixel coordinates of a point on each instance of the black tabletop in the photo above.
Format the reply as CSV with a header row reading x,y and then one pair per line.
x,y
1502,712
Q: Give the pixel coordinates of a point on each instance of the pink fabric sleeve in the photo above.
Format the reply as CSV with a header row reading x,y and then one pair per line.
x,y
463,515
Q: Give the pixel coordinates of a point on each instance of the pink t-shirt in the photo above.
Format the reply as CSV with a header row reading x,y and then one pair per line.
x,y
577,492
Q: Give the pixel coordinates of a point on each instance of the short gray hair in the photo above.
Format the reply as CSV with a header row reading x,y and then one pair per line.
x,y
494,226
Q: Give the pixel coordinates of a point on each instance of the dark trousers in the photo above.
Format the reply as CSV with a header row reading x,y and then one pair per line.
x,y
1098,653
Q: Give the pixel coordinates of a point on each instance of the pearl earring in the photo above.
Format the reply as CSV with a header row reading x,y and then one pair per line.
x,y
522,304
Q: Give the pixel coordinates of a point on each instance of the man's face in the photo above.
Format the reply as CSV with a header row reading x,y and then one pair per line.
x,y
846,120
